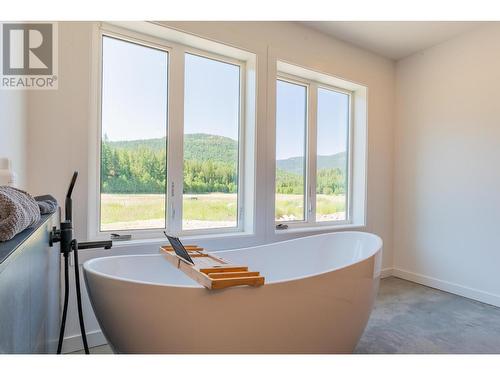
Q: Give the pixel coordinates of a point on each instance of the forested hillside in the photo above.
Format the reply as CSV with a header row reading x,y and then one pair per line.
x,y
296,164
210,165
196,146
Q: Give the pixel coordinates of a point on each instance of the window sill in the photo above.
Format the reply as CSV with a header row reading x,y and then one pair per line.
x,y
185,239
319,228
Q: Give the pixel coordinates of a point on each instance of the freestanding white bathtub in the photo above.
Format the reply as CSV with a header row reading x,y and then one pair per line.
x,y
318,296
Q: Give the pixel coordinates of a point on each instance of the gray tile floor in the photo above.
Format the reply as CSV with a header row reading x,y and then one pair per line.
x,y
412,318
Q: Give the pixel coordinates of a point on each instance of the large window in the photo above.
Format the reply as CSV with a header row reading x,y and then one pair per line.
x,y
312,152
134,129
178,171
177,147
211,143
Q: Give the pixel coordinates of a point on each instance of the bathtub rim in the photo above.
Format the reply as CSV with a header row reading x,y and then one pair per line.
x,y
377,248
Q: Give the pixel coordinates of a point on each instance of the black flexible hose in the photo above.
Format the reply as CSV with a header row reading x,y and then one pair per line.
x,y
79,299
66,297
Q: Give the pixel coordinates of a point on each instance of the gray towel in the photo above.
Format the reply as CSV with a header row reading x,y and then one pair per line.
x,y
46,203
18,211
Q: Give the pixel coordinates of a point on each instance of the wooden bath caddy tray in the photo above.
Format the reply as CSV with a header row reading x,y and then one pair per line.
x,y
211,271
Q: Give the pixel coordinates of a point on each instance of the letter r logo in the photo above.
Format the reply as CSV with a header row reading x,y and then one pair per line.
x,y
27,49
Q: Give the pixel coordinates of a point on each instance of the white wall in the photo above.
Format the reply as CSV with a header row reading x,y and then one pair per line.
x,y
63,116
447,175
58,123
13,128
58,142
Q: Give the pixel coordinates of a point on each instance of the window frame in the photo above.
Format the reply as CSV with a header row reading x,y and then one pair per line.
x,y
241,147
307,199
311,154
174,130
150,43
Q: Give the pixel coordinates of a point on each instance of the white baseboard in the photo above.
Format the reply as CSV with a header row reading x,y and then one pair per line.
x,y
464,291
74,343
386,272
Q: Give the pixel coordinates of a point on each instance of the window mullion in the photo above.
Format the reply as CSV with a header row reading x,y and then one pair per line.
x,y
311,152
175,141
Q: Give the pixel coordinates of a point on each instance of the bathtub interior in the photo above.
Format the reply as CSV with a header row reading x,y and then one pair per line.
x,y
278,261
149,268
306,256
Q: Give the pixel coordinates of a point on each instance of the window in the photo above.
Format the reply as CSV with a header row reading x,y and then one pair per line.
x,y
177,148
331,150
171,138
291,127
313,124
134,129
211,143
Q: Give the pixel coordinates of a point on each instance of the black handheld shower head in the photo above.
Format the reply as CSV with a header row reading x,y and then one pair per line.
x,y
68,203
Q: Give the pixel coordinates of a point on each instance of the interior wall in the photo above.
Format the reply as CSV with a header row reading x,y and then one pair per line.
x,y
59,123
13,129
58,144
447,179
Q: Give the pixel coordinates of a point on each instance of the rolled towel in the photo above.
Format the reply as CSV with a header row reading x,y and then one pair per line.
x,y
18,211
46,203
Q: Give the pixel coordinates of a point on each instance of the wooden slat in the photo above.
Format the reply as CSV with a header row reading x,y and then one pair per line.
x,y
213,272
187,247
228,275
197,255
228,268
226,283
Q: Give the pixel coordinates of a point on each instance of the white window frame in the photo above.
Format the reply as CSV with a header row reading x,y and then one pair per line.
x,y
350,145
307,146
356,144
241,150
310,176
175,131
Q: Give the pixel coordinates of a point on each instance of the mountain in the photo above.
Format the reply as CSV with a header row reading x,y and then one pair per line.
x,y
223,149
296,164
210,147
154,144
196,147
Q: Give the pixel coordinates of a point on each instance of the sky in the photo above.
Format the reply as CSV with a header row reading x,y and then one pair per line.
x,y
211,97
134,101
291,102
332,122
134,91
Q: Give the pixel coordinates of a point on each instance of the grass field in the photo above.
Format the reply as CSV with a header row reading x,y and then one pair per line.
x,y
214,210
132,211
290,207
